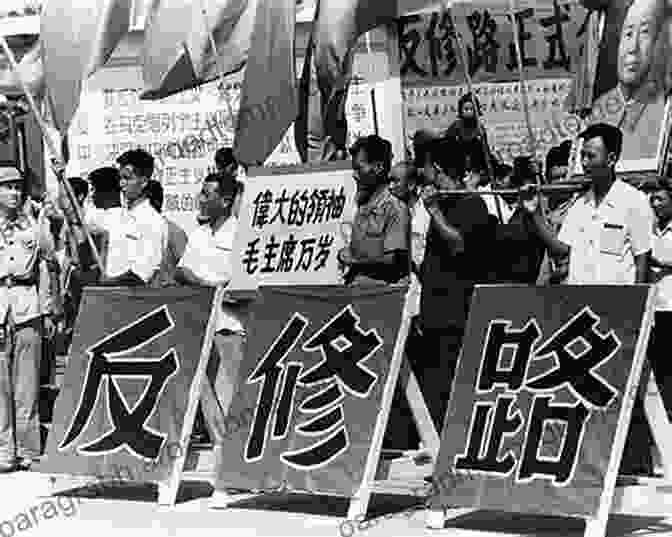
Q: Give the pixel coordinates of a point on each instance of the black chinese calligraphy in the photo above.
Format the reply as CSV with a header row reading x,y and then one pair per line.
x,y
343,346
110,360
483,53
558,55
302,207
522,37
578,349
290,255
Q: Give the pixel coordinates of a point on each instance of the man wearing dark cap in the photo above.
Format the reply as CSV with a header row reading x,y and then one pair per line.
x,y
225,160
207,262
28,305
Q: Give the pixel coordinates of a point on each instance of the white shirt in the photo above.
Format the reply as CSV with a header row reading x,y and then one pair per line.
x,y
491,204
136,238
208,256
420,221
604,240
662,277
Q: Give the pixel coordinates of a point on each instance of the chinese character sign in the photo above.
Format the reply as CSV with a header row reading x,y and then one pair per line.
x,y
550,32
125,391
291,226
536,400
435,107
315,367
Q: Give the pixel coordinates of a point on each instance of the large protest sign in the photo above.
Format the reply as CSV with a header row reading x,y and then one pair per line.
x,y
317,366
435,107
541,401
552,34
292,223
630,84
132,382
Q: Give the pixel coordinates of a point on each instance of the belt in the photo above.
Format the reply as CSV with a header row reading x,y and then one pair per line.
x,y
11,281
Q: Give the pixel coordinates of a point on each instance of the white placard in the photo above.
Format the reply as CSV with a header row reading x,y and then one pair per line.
x,y
292,224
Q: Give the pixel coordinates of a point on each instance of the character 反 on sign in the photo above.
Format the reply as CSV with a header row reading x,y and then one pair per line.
x,y
578,349
343,346
110,360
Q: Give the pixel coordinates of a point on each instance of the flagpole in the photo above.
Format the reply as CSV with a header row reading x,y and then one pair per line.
x,y
477,112
52,148
215,51
532,145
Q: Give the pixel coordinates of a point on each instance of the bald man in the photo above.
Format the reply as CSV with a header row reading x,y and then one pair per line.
x,y
636,105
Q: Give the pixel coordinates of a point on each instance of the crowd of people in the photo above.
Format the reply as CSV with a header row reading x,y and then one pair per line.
x,y
442,245
408,230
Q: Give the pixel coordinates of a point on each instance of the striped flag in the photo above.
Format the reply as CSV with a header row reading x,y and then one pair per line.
x,y
78,37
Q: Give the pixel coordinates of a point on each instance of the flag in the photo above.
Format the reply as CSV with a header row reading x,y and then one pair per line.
x,y
268,100
31,71
338,24
178,54
78,37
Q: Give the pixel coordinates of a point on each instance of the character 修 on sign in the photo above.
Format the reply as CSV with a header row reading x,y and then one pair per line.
x,y
344,346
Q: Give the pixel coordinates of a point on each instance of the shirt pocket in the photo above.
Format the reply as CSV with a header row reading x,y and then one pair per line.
x,y
612,238
374,224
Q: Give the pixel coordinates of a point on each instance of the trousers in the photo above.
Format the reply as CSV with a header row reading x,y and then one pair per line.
x,y
20,357
222,377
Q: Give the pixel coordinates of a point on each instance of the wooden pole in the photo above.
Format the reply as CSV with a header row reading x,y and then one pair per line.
x,y
215,51
477,112
59,171
532,144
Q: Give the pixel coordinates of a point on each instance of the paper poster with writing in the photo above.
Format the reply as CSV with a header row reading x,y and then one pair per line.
x,y
293,221
630,85
541,389
435,108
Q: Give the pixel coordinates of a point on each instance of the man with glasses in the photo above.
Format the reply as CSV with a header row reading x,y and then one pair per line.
x,y
207,262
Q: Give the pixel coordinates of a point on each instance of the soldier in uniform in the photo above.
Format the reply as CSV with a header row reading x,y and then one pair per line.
x,y
28,309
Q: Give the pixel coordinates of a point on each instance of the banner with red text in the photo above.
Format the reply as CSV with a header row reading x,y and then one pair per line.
x,y
538,397
316,362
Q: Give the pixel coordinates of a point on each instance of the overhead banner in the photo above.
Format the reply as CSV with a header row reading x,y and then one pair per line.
x,y
316,363
126,389
551,33
292,223
630,85
539,396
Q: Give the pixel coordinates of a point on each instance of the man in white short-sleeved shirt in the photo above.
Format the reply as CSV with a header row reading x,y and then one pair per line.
x,y
207,262
607,231
607,236
136,232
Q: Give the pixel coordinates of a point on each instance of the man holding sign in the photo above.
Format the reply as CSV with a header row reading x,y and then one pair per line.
x,y
206,262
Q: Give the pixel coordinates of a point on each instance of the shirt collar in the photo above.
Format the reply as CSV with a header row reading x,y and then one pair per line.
x,y
377,199
616,190
660,232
